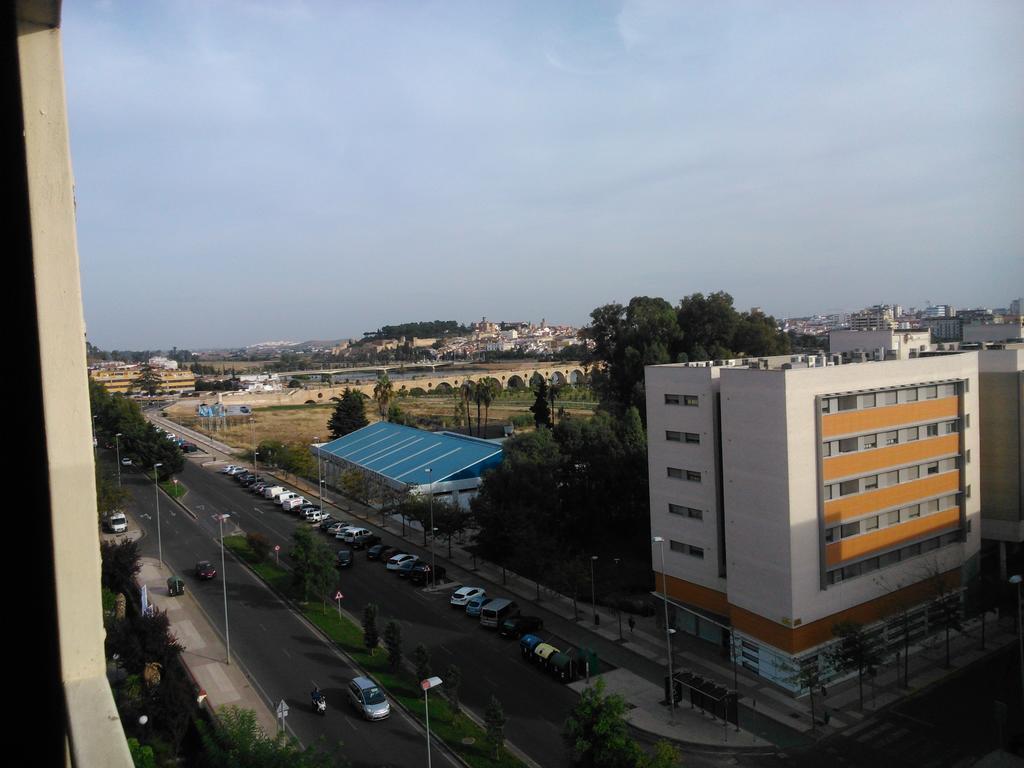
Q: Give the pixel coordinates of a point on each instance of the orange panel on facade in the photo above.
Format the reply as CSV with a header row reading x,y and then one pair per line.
x,y
863,462
694,594
886,538
859,504
886,417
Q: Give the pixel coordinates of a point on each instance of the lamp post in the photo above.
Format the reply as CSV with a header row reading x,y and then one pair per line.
x,y
255,466
117,447
618,609
668,633
426,685
593,591
224,582
156,492
1016,579
430,475
319,476
94,441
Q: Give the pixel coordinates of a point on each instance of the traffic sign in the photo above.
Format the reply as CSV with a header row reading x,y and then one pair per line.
x,y
339,596
282,709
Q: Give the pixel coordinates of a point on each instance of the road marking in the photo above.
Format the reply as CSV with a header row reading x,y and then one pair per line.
x,y
451,654
285,652
913,719
263,628
257,509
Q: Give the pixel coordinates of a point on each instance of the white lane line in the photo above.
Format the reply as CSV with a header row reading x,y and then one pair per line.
x,y
262,627
257,509
285,652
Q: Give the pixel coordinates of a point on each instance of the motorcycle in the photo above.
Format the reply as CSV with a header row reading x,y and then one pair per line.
x,y
320,704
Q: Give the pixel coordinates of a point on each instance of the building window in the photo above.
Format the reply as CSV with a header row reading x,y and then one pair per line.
x,y
909,473
690,400
678,509
848,487
693,477
891,518
672,399
848,403
830,534
912,433
848,445
869,441
932,430
949,427
890,438
697,552
871,483
829,492
675,472
674,437
929,393
932,468
676,546
692,438
889,478
930,506
888,398
867,401
850,529
909,513
908,396
889,558
871,523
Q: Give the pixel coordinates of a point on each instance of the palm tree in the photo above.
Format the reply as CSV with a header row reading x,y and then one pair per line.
x,y
467,390
486,391
383,392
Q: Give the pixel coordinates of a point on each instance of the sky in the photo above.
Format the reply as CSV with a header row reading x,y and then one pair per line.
x,y
264,170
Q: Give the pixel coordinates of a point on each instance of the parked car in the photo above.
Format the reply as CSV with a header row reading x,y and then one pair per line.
x,y
272,490
293,504
282,497
518,625
345,558
205,570
344,529
353,531
476,604
314,515
336,527
325,523
422,573
496,611
362,541
396,561
227,469
368,699
463,595
258,487
406,568
126,461
379,552
236,471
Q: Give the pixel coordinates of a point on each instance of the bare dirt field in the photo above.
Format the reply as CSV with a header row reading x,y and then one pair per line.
x,y
303,423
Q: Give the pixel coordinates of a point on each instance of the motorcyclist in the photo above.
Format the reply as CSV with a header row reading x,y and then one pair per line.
x,y
316,695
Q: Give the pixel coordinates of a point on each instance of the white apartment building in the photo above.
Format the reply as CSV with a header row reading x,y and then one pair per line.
x,y
793,495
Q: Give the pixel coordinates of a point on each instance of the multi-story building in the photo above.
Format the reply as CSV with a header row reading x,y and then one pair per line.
x,y
899,344
876,318
792,496
125,380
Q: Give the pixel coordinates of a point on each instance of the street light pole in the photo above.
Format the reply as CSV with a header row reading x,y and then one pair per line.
x,y
426,685
618,609
117,447
319,476
433,564
224,583
156,491
668,633
593,591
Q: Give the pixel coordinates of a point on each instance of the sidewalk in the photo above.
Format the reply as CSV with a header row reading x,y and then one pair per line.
x,y
640,660
204,653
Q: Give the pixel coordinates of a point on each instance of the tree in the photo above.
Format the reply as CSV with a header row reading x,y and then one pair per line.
x,y
383,394
540,409
666,755
238,740
494,722
148,381
466,390
483,394
856,650
393,644
597,733
260,545
312,564
371,638
421,658
109,496
450,520
452,681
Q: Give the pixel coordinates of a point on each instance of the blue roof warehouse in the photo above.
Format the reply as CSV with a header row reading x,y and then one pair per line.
x,y
402,458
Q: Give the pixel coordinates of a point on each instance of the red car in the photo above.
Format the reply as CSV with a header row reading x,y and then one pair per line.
x,y
205,570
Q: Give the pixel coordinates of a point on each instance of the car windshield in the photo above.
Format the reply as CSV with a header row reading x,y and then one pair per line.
x,y
203,565
373,695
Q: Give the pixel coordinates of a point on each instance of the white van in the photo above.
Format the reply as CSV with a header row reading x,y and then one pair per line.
x,y
293,503
272,490
283,497
351,534
116,523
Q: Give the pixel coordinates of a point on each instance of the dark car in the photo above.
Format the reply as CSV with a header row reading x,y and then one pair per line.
x,y
250,481
345,558
421,573
366,540
326,523
189,447
406,567
205,570
518,625
380,552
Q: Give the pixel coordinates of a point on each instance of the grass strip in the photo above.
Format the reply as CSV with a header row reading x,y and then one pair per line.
x,y
454,729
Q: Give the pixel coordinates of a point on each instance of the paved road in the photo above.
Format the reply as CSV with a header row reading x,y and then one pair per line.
x,y
284,654
536,705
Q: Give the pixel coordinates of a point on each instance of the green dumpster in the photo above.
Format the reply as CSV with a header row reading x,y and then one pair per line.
x,y
175,586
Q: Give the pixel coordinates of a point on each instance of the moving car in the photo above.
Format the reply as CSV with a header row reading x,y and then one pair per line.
x,y
396,561
463,595
116,523
205,570
345,558
368,699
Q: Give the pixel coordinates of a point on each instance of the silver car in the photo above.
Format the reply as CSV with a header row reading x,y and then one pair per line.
x,y
368,699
